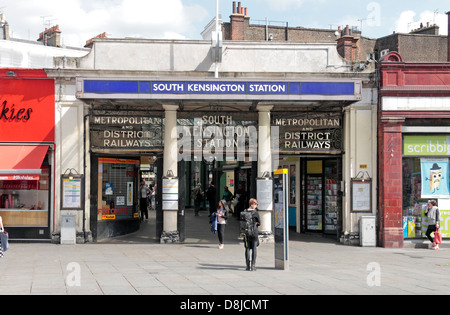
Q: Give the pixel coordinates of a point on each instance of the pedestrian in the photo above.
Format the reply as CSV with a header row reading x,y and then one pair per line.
x,y
241,196
153,197
197,194
227,195
2,229
211,196
222,217
144,199
250,221
433,214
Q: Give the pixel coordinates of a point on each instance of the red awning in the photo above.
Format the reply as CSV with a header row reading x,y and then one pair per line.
x,y
21,162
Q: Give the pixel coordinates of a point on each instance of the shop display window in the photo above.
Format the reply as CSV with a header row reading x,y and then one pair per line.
x,y
423,179
118,182
24,200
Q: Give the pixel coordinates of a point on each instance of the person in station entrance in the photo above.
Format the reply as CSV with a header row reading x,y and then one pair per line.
x,y
250,221
222,217
197,194
211,196
227,196
241,196
143,203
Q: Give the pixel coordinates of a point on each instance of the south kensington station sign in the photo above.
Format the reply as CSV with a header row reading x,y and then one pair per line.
x,y
217,87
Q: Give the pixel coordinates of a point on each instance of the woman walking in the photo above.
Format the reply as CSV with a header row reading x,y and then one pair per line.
x,y
434,216
222,217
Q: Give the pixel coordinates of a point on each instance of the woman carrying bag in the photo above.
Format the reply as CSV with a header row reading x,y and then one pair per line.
x,y
220,216
433,215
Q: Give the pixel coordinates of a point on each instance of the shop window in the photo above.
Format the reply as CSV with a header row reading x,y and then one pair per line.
x,y
118,181
424,179
24,200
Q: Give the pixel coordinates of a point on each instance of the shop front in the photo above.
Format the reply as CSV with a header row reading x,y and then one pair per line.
x,y
414,150
27,139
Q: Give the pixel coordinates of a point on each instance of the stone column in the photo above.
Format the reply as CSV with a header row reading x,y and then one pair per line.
x,y
265,165
170,232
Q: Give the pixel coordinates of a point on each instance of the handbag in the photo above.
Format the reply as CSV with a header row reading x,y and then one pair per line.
x,y
437,237
4,238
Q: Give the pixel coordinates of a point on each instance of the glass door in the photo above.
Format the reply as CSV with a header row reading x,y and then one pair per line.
x,y
333,204
314,195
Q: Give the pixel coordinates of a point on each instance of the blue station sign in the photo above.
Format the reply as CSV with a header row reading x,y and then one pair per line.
x,y
218,88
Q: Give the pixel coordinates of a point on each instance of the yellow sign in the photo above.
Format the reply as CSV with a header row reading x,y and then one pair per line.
x,y
281,171
108,217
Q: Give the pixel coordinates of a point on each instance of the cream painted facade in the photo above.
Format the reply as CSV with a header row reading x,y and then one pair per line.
x,y
125,59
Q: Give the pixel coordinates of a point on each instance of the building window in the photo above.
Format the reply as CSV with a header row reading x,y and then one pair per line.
x,y
423,179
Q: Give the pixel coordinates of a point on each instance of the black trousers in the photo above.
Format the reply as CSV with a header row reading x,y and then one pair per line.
x,y
430,229
144,209
221,232
251,245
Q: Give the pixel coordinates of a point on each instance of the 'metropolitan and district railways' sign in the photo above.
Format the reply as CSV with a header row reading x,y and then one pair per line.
x,y
304,132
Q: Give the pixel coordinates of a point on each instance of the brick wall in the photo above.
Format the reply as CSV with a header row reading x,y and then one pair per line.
x,y
390,182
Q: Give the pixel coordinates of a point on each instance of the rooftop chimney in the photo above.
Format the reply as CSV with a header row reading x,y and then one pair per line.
x,y
347,45
51,37
239,21
90,43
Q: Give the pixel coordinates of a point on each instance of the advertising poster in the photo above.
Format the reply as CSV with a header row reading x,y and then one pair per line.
x,y
170,194
434,178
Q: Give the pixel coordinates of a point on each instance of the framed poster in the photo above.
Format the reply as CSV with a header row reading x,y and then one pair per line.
x,y
170,194
72,192
361,195
435,182
264,193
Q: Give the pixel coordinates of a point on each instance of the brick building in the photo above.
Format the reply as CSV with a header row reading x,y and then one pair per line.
x,y
351,45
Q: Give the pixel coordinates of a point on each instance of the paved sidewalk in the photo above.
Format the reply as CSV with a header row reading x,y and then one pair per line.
x,y
137,264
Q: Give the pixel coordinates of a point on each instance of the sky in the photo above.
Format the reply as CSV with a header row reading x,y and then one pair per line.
x,y
80,20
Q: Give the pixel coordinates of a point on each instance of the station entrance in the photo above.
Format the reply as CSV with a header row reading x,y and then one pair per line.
x,y
126,144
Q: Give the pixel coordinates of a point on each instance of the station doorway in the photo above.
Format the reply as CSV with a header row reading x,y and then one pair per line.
x,y
315,193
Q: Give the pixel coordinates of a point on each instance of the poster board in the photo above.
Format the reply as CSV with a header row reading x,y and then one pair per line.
x,y
264,192
361,192
72,192
170,194
281,219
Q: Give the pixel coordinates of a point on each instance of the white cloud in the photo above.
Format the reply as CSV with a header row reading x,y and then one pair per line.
x,y
80,20
410,20
283,5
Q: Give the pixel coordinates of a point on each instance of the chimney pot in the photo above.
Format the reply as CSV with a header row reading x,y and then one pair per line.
x,y
234,7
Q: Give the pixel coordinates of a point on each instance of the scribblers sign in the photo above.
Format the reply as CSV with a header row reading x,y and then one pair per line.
x,y
27,107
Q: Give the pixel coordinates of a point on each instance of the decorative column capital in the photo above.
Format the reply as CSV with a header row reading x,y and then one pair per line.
x,y
264,107
170,107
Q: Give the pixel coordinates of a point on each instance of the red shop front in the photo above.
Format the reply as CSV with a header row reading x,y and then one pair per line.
x,y
27,139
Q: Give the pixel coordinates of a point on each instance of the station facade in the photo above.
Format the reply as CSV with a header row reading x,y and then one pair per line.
x,y
155,110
